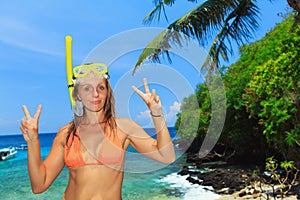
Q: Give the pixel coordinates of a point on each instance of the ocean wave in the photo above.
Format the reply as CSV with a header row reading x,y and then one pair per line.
x,y
190,191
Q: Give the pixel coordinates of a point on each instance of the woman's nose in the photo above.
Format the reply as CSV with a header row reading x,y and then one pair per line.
x,y
96,93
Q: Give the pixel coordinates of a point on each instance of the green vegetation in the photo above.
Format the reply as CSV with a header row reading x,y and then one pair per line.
x,y
263,100
286,179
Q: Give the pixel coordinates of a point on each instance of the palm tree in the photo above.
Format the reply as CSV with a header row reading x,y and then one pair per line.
x,y
231,20
295,4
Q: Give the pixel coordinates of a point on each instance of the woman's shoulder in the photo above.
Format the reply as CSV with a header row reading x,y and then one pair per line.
x,y
125,122
63,132
64,129
126,125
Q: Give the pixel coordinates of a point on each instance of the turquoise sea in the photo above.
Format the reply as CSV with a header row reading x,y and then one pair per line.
x,y
144,179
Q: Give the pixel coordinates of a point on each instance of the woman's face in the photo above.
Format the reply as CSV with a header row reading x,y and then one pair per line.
x,y
93,92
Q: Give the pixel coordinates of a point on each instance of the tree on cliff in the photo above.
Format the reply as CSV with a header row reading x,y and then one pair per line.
x,y
263,98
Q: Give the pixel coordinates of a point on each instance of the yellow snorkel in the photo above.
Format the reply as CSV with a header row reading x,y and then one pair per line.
x,y
69,68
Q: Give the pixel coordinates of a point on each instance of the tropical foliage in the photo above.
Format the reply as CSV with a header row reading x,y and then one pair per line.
x,y
285,180
273,94
263,98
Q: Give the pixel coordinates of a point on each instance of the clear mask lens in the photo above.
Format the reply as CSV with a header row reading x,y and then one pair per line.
x,y
84,70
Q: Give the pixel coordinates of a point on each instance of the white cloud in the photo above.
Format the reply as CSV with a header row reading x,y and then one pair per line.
x,y
144,115
173,110
175,107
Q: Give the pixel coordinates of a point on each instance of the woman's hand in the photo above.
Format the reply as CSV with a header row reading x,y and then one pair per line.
x,y
29,126
151,99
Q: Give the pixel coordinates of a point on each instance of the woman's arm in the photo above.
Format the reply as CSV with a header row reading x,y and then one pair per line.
x,y
41,174
161,149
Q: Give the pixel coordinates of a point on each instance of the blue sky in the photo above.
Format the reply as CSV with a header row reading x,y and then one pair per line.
x,y
32,45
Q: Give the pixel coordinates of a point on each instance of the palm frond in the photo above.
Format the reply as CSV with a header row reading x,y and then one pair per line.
x,y
158,9
160,43
169,2
226,19
195,23
238,26
155,13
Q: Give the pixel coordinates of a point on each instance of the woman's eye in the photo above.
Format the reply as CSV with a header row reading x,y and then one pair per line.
x,y
87,89
101,87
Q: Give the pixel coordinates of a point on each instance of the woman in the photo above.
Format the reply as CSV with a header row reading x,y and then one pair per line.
x,y
93,145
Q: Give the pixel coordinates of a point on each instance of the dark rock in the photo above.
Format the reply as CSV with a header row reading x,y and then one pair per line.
x,y
233,179
184,171
193,180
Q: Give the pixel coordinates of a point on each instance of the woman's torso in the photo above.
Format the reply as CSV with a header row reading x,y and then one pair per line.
x,y
94,182
95,159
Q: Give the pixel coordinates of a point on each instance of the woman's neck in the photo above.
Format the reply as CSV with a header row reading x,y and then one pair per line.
x,y
93,118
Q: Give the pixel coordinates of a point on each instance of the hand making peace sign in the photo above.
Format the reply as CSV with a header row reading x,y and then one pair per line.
x,y
29,126
151,99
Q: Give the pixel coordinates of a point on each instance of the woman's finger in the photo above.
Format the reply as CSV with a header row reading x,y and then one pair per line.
x,y
155,96
139,92
157,99
23,129
38,112
26,112
153,93
25,133
146,86
23,122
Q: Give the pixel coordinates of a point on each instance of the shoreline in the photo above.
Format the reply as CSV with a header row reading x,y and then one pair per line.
x,y
232,181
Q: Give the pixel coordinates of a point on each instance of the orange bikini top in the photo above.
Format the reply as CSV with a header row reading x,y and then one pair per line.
x,y
111,151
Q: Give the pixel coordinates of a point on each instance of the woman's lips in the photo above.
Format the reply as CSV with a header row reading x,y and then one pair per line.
x,y
96,102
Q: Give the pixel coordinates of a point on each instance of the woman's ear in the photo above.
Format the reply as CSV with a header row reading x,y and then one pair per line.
x,y
75,95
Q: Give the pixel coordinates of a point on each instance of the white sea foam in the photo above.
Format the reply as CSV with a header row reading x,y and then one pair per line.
x,y
191,191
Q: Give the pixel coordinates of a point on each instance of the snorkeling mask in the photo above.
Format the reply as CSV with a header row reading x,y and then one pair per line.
x,y
97,68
